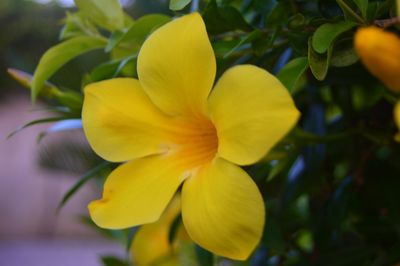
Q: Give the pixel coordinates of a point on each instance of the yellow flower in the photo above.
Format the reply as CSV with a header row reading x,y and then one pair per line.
x,y
397,120
173,130
380,53
151,245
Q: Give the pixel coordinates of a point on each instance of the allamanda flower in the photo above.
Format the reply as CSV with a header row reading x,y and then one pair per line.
x,y
380,53
172,130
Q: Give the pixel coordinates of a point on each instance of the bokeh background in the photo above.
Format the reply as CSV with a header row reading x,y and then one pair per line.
x,y
35,176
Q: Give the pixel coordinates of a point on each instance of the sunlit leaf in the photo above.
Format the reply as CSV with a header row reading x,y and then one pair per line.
x,y
58,55
105,13
176,5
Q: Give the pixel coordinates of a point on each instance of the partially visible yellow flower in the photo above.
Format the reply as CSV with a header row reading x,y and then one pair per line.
x,y
397,120
380,53
172,129
151,246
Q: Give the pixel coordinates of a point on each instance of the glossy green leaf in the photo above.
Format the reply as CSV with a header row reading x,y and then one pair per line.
x,y
319,63
138,32
58,55
326,34
290,74
177,5
105,13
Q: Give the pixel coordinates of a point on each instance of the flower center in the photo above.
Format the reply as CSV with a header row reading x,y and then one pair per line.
x,y
196,142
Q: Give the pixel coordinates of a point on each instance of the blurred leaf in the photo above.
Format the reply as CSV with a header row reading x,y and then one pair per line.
x,y
290,74
35,122
247,39
105,13
176,223
273,237
349,13
222,19
362,6
25,79
177,5
319,63
278,15
85,178
344,54
113,261
325,35
204,257
77,24
138,32
110,69
58,55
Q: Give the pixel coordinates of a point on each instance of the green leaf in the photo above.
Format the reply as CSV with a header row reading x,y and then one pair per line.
x,y
319,63
113,261
77,24
325,35
290,74
85,178
35,122
249,38
177,5
362,6
349,13
222,19
105,13
58,55
138,32
343,53
173,231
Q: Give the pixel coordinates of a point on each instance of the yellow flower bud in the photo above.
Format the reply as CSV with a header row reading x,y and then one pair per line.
x,y
380,53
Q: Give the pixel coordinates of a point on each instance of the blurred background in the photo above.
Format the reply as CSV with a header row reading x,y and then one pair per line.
x,y
33,179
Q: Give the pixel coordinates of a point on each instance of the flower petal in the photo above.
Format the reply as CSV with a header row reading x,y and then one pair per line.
x,y
251,111
176,66
223,210
120,121
137,192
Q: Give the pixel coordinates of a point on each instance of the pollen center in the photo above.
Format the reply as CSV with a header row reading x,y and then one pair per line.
x,y
196,142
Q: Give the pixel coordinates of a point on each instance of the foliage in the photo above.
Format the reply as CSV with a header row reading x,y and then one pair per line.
x,y
330,186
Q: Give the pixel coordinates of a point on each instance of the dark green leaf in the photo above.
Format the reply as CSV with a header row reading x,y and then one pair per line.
x,y
113,261
290,74
247,39
58,55
343,53
177,222
177,5
326,34
35,122
362,6
349,13
85,178
222,19
105,13
204,257
319,63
